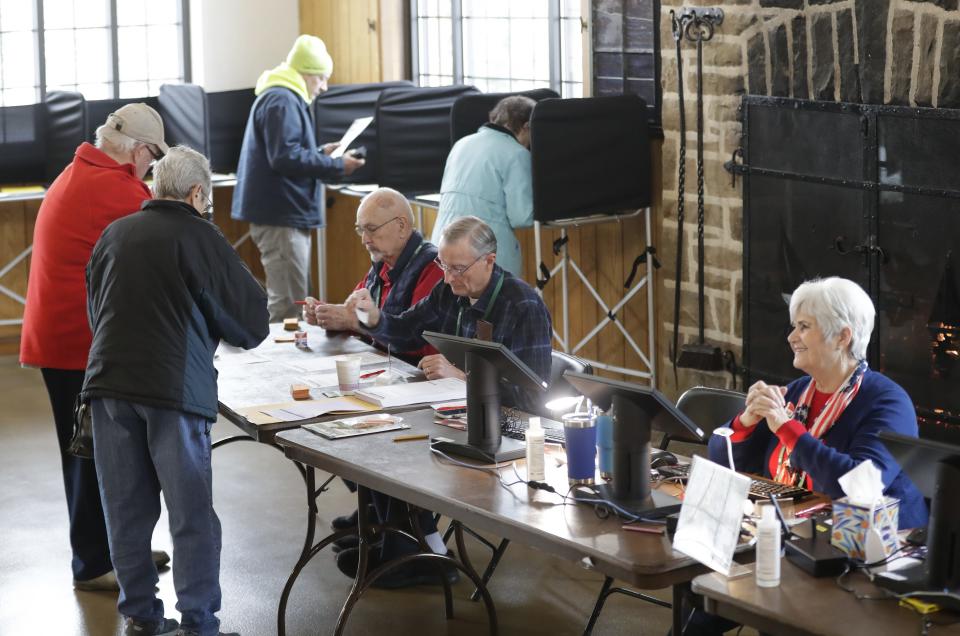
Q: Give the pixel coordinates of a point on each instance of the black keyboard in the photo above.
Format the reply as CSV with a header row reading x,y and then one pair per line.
x,y
760,488
513,426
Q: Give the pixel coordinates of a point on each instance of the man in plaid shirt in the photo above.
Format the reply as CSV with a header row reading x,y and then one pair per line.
x,y
476,296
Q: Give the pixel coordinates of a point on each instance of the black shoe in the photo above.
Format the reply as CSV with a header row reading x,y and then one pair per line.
x,y
419,572
164,627
350,521
345,543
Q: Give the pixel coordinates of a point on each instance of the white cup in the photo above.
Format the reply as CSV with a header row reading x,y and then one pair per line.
x,y
348,373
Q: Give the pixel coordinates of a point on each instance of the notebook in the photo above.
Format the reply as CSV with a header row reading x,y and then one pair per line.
x,y
430,391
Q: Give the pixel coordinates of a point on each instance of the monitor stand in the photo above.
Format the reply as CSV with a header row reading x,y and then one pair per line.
x,y
630,488
484,441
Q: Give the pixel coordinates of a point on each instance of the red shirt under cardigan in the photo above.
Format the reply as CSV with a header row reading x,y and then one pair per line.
x,y
788,434
92,192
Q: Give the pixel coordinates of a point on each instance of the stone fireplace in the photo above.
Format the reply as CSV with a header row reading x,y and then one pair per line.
x,y
877,52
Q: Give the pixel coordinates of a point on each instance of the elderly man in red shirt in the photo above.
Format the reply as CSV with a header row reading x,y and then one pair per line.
x,y
100,185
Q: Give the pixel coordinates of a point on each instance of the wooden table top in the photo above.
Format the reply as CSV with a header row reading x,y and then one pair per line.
x,y
245,385
409,471
804,605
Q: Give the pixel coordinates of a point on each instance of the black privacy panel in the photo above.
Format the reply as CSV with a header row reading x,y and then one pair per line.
x,y
589,156
335,110
472,111
183,108
22,144
97,111
66,120
413,134
226,121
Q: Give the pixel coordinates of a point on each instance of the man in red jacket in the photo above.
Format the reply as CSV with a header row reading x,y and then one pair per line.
x,y
102,184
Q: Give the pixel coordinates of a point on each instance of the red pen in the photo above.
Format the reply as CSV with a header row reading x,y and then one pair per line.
x,y
372,374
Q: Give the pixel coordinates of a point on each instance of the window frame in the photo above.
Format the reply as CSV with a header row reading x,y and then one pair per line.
x,y
40,58
554,30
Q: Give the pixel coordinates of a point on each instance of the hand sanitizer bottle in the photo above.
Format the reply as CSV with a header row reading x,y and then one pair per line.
x,y
768,549
535,470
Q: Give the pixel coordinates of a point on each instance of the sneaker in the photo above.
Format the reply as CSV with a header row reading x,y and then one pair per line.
x,y
103,583
345,543
415,573
166,627
190,632
350,521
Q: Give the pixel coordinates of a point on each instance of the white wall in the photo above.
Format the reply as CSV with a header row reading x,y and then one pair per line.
x,y
233,41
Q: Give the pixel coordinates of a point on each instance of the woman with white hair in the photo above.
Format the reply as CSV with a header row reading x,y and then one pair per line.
x,y
820,426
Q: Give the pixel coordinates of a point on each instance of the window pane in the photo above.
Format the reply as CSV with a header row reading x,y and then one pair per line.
x,y
19,69
16,15
164,54
19,96
474,8
445,41
570,9
90,13
571,51
57,14
523,50
443,8
93,56
529,8
96,91
133,89
59,56
132,48
162,12
498,8
131,12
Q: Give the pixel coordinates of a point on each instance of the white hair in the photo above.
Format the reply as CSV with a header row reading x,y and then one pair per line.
x,y
836,303
179,171
109,138
475,231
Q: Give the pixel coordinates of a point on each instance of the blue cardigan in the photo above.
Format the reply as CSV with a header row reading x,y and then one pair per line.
x,y
880,405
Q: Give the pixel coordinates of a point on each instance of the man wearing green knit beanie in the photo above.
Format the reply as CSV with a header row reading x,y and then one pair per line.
x,y
281,168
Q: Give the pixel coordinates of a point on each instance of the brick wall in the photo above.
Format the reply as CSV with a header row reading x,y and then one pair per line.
x,y
869,51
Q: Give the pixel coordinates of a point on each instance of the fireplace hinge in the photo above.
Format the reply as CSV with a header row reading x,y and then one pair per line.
x,y
733,167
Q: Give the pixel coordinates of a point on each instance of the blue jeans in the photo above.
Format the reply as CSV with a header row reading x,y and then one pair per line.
x,y
141,451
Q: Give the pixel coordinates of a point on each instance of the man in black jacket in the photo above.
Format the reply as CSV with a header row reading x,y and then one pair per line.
x,y
163,288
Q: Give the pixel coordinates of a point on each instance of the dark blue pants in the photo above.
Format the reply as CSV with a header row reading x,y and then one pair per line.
x,y
143,451
391,510
88,531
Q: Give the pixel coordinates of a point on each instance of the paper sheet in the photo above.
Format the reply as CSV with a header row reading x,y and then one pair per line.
x,y
358,126
709,526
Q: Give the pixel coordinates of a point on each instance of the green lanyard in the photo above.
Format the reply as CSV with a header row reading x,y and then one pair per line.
x,y
378,286
486,314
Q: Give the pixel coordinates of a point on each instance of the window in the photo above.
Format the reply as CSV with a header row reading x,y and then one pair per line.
x,y
499,45
101,48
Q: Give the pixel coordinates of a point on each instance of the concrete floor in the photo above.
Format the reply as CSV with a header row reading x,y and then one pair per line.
x,y
259,497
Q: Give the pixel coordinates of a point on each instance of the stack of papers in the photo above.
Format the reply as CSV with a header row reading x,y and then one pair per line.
x,y
353,426
430,391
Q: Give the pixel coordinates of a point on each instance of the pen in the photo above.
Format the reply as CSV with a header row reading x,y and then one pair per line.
x,y
372,374
410,438
303,302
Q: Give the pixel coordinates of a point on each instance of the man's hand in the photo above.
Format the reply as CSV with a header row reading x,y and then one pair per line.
x,y
334,317
436,366
351,163
361,300
329,148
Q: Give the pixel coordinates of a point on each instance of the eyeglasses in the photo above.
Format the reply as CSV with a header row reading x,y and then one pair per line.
x,y
371,229
207,212
157,156
456,270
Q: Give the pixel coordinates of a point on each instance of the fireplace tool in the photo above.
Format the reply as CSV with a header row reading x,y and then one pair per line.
x,y
695,25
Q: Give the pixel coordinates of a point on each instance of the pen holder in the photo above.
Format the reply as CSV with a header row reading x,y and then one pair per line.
x,y
580,432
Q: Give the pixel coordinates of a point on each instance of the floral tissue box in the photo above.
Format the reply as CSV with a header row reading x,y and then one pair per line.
x,y
851,522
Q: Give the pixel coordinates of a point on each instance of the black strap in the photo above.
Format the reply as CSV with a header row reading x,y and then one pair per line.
x,y
559,243
652,251
545,272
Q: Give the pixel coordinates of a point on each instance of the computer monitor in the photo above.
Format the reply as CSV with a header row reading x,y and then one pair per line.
x,y
484,363
638,410
934,468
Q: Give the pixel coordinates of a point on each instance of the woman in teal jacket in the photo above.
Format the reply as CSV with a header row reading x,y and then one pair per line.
x,y
488,176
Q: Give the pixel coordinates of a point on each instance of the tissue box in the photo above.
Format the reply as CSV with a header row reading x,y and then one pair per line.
x,y
851,522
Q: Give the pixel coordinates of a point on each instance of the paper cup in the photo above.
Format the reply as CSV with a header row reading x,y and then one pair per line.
x,y
348,373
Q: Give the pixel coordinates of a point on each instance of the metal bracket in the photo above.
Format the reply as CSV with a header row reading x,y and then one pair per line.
x,y
697,23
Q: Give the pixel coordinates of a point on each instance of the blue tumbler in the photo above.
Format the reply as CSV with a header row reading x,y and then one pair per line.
x,y
605,445
580,432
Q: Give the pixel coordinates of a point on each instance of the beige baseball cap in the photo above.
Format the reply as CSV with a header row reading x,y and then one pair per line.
x,y
139,122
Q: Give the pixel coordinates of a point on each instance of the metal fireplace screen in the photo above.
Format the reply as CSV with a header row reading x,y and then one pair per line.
x,y
870,193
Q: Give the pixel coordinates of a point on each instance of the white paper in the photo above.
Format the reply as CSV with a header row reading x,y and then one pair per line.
x,y
429,391
709,525
307,410
358,126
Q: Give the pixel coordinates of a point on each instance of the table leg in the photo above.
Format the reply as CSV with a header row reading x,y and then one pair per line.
x,y
679,594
